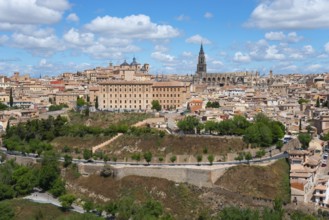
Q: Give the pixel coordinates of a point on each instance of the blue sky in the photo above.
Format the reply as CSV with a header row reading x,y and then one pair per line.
x,y
50,37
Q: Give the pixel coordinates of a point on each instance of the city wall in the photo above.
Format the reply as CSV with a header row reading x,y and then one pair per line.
x,y
201,177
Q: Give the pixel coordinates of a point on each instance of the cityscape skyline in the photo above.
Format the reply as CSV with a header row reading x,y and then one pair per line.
x,y
45,37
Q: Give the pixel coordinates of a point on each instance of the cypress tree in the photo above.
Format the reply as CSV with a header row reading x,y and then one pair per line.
x,y
96,102
11,99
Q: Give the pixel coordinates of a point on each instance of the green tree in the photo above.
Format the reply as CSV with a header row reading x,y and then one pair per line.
x,y
23,180
3,106
67,160
96,102
248,156
279,145
66,201
88,206
199,158
148,156
156,105
302,101
260,153
49,170
317,104
6,211
211,158
58,187
11,98
173,158
326,137
304,139
210,126
6,192
87,154
80,102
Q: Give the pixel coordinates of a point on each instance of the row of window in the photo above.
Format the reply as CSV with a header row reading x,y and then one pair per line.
x,y
125,95
140,101
130,101
164,95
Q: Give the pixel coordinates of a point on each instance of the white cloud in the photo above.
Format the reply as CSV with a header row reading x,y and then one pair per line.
x,y
32,11
74,37
290,68
217,63
296,56
272,53
290,14
160,48
187,54
314,67
240,57
38,44
43,63
326,47
275,36
3,39
182,18
72,17
208,15
308,50
134,26
162,57
198,39
291,37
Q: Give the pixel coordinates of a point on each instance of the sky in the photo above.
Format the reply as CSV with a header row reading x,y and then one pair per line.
x,y
50,37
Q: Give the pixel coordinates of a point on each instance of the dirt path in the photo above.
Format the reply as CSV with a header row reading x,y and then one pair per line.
x,y
94,149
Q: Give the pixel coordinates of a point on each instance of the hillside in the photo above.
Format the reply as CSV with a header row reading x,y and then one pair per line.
x,y
177,145
258,181
24,209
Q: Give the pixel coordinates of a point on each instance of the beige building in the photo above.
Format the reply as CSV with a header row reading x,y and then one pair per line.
x,y
172,94
68,98
138,95
125,95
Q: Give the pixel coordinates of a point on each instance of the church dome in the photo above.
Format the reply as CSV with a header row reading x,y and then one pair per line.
x,y
124,63
134,63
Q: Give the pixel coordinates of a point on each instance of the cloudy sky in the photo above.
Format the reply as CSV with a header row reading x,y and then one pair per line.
x,y
53,36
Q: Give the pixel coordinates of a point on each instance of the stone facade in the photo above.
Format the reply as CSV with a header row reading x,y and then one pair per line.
x,y
138,95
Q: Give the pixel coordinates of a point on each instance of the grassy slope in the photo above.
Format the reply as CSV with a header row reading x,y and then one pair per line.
x,y
104,119
177,145
259,181
26,210
177,199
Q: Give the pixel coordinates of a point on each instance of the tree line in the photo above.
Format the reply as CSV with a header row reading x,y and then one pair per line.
x,y
261,132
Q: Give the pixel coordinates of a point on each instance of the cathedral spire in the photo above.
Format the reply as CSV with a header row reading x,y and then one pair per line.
x,y
201,49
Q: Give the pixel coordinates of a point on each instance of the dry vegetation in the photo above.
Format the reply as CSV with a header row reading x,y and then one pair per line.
x,y
177,199
105,119
87,141
178,145
259,181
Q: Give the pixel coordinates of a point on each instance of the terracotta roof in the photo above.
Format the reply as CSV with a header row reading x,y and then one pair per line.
x,y
302,175
170,83
122,82
297,185
321,187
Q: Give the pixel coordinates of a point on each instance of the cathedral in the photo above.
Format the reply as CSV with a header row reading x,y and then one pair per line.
x,y
221,79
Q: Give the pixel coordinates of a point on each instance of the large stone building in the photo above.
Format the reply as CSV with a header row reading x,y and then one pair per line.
x,y
138,95
221,79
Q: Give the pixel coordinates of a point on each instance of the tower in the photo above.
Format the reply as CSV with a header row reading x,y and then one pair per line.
x,y
202,66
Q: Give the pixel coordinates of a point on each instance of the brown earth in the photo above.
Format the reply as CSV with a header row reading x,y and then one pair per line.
x,y
266,182
178,199
88,141
104,119
177,145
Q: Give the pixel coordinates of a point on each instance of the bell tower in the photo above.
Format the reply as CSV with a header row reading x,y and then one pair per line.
x,y
202,66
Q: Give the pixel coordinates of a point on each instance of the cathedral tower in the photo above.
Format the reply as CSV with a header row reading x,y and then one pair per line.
x,y
202,66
